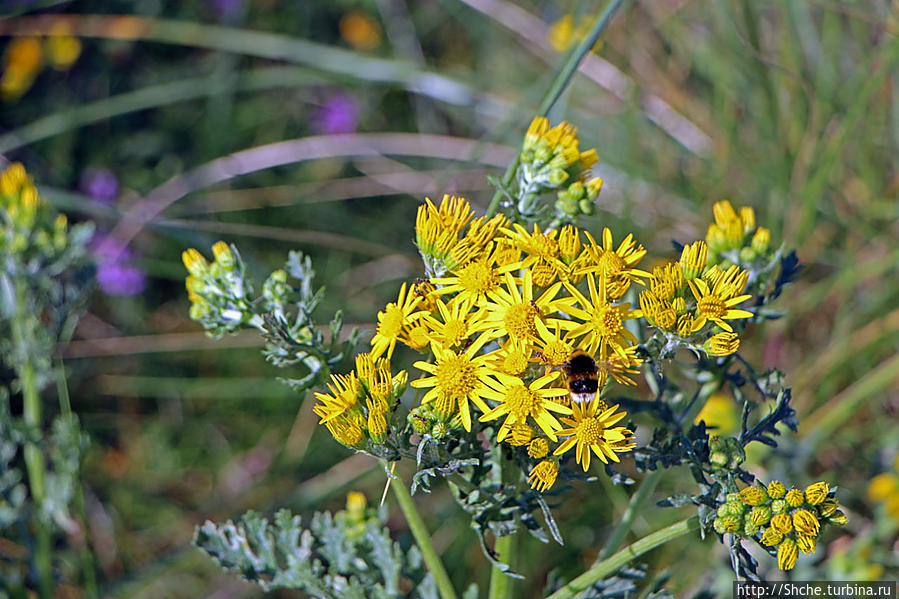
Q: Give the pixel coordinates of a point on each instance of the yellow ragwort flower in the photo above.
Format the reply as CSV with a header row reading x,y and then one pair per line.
x,y
519,401
617,266
538,246
543,476
511,358
693,259
453,323
806,523
590,429
716,303
538,448
514,312
475,279
601,322
456,378
396,318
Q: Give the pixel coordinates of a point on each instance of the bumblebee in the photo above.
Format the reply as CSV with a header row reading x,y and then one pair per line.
x,y
582,376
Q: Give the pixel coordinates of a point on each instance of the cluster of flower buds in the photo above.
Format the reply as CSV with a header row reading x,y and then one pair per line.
x,y
219,292
31,230
356,516
359,406
775,517
725,453
25,57
551,160
734,238
448,236
690,302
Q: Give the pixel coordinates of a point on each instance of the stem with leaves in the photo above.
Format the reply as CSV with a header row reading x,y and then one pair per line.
x,y
34,456
559,84
422,538
632,551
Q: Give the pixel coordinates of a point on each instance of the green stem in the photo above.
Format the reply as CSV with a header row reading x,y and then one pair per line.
x,y
558,86
500,582
87,557
632,551
627,519
422,538
34,457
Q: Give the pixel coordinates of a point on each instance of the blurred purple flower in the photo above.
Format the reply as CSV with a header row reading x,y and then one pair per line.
x,y
116,272
229,11
100,184
339,114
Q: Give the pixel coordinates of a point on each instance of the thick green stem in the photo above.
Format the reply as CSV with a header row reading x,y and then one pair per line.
x,y
558,87
501,583
632,551
627,519
422,538
34,457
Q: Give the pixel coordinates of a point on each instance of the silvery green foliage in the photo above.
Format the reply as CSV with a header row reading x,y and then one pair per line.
x,y
66,446
12,489
225,301
332,559
291,334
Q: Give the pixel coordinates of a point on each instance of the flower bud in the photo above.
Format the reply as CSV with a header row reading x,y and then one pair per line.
x,y
543,476
782,523
760,240
760,515
722,344
795,498
195,263
223,255
838,518
817,492
806,544
753,496
776,490
771,537
538,448
806,523
787,554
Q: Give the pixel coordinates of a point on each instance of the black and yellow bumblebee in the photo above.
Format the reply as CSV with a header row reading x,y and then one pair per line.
x,y
582,375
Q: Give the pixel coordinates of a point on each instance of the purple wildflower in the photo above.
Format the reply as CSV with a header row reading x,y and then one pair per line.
x,y
117,273
100,184
338,114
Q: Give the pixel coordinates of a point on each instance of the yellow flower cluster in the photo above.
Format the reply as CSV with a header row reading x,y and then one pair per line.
x,y
25,56
690,301
500,322
734,235
203,274
359,404
789,520
552,155
28,223
885,488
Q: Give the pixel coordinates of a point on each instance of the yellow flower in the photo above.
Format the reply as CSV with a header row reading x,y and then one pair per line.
x,y
782,523
514,312
456,378
360,30
666,280
543,476
22,61
716,303
344,396
657,312
395,319
806,544
475,279
615,265
520,434
776,489
693,259
589,430
511,358
518,402
539,246
794,498
720,412
771,537
620,366
551,348
454,325
62,48
601,322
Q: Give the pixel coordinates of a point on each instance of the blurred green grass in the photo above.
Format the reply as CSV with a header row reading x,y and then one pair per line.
x,y
788,106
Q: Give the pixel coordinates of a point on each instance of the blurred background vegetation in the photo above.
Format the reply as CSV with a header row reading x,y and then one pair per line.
x,y
160,126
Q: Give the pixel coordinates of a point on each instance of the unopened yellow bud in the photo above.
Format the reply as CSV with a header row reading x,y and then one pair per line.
x,y
776,489
722,344
771,537
782,523
747,217
795,498
223,255
194,262
806,523
817,492
753,496
806,544
538,448
760,240
787,553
